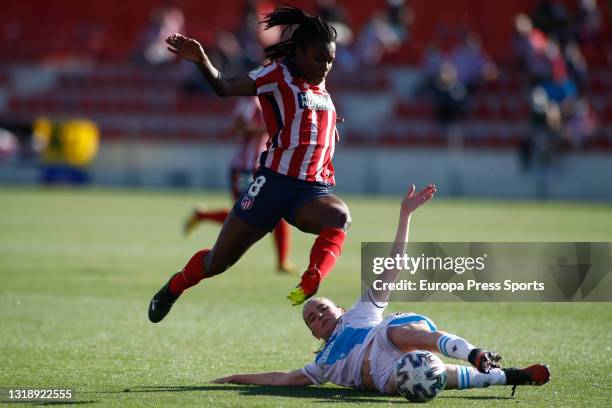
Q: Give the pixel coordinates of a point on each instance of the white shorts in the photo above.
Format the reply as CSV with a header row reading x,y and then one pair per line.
x,y
384,354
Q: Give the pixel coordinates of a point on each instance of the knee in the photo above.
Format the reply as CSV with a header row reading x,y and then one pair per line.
x,y
339,217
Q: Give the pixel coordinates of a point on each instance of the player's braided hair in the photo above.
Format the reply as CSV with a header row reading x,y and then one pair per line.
x,y
310,29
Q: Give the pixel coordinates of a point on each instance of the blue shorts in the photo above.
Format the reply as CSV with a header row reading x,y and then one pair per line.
x,y
272,196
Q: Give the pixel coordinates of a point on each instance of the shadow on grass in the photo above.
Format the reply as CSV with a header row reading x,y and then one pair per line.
x,y
321,394
43,402
475,397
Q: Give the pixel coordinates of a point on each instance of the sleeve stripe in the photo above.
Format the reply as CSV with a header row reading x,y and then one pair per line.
x,y
374,302
311,377
261,71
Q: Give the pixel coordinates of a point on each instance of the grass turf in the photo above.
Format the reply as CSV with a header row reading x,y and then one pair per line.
x,y
77,269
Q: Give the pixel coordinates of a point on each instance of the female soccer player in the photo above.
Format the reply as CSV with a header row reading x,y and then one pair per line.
x,y
361,347
296,172
250,131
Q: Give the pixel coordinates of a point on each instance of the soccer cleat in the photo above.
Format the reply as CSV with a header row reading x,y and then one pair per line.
x,y
484,360
162,302
536,374
192,221
307,287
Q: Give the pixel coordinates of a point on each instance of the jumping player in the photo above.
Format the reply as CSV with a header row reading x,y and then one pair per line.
x,y
362,348
296,173
249,128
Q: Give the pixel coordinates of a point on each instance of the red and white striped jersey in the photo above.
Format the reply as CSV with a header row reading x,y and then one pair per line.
x,y
301,121
250,147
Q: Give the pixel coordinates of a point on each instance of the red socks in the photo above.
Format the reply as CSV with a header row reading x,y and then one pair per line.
x,y
217,216
191,274
323,256
282,241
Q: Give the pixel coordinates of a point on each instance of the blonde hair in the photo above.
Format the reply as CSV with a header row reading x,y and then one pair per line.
x,y
320,299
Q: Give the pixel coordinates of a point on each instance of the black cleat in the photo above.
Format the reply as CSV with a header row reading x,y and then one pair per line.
x,y
536,374
484,360
161,303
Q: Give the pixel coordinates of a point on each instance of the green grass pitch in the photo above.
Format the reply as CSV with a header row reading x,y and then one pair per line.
x,y
77,269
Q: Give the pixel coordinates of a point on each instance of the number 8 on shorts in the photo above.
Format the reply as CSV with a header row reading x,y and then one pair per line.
x,y
256,186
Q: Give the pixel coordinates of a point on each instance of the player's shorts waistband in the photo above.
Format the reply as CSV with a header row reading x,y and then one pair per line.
x,y
271,173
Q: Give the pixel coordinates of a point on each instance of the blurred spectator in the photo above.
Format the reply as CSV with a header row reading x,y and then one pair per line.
x,y
580,122
555,68
561,115
587,27
530,46
553,19
235,53
539,149
450,77
377,38
450,99
334,14
251,35
229,54
473,65
558,84
8,145
577,66
432,60
163,22
384,33
449,94
400,18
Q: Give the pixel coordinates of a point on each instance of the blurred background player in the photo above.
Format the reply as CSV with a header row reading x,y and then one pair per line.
x,y
296,174
250,131
361,347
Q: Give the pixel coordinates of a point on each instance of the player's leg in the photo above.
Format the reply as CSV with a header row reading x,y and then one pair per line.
x,y
282,243
235,238
254,215
239,182
416,332
464,377
329,218
202,213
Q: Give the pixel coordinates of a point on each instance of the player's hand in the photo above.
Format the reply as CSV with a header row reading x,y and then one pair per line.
x,y
413,200
224,380
185,47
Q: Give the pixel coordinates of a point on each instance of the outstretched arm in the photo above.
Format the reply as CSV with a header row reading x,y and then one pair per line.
x,y
295,378
191,50
410,203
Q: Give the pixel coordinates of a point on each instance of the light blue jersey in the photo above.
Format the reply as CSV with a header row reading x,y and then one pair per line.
x,y
341,358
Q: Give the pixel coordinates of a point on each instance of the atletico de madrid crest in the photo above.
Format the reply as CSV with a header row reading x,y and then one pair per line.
x,y
247,202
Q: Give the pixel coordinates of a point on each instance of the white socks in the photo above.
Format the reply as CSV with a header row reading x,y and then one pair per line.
x,y
469,377
454,347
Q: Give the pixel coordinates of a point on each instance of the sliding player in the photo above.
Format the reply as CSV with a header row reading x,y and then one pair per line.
x,y
362,347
